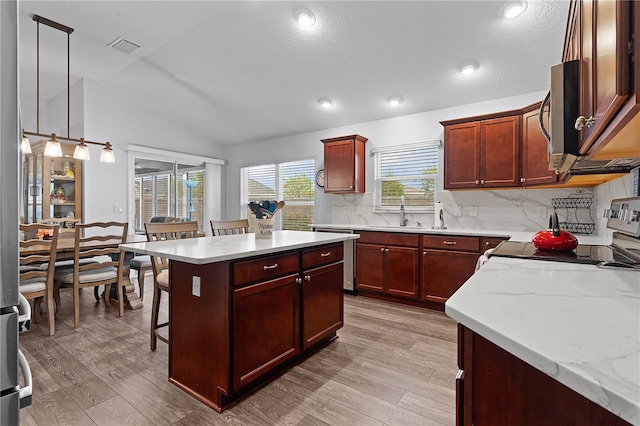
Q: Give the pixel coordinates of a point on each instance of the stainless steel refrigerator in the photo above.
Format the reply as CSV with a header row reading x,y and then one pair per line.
x,y
12,396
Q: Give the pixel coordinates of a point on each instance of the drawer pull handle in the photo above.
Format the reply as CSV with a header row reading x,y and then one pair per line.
x,y
325,254
450,243
274,266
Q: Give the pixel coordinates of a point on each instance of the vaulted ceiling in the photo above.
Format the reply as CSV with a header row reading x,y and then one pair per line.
x,y
242,71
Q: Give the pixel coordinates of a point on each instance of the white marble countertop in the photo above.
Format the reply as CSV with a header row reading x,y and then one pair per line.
x,y
215,249
513,235
579,324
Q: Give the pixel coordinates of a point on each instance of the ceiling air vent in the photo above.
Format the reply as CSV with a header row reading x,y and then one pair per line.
x,y
124,45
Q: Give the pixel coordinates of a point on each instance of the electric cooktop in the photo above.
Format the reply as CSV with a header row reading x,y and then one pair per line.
x,y
584,253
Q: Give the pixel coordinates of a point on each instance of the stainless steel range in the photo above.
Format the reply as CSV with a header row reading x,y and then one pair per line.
x,y
624,251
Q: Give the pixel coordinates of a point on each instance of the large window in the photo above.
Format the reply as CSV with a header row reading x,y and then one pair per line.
x,y
168,189
408,174
291,182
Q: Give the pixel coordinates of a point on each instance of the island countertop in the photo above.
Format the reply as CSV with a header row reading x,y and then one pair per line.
x,y
204,250
579,324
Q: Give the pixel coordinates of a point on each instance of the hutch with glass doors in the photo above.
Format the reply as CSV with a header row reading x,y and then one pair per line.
x,y
53,186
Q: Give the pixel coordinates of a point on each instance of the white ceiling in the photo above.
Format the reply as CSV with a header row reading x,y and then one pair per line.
x,y
241,71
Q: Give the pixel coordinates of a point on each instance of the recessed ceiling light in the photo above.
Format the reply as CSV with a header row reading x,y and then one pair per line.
x,y
325,102
513,9
305,18
468,68
394,101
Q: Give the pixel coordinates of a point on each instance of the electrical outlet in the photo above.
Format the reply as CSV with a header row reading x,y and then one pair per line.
x,y
457,210
118,209
542,211
473,211
195,289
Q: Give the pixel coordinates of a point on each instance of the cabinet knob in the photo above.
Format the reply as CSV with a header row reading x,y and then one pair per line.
x,y
481,181
477,182
386,250
382,249
523,180
582,122
307,278
298,280
486,243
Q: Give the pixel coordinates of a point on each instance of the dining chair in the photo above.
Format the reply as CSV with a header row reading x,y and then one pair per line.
x,y
36,282
91,240
229,227
142,264
160,266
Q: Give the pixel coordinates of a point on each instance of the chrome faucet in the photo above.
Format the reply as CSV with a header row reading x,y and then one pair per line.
x,y
403,219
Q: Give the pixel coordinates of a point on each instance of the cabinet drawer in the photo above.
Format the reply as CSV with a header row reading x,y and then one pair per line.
x,y
265,268
451,243
389,238
322,255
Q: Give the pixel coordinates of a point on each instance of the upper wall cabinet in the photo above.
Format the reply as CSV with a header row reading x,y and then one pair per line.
x,y
534,158
482,153
600,34
344,164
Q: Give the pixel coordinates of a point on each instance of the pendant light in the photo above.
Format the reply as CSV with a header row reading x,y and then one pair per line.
x,y
82,151
107,154
25,146
53,148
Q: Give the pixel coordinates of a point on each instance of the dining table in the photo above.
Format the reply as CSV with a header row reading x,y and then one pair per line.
x,y
65,251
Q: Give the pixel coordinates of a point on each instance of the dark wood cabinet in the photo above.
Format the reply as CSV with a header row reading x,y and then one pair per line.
x,y
482,153
266,327
344,164
487,243
388,263
494,387
447,262
322,303
535,158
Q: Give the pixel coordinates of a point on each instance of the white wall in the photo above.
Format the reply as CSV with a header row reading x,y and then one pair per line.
x,y
393,131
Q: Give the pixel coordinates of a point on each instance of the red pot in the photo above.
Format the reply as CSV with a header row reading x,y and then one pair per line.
x,y
554,238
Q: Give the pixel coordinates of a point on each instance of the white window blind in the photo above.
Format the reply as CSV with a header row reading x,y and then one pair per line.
x,y
292,182
408,172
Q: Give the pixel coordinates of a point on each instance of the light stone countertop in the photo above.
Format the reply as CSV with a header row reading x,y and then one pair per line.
x,y
579,324
215,249
512,235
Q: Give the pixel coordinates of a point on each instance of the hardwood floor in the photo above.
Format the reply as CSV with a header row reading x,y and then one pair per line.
x,y
392,365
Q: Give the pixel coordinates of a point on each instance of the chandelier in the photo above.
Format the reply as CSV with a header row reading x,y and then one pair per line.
x,y
53,148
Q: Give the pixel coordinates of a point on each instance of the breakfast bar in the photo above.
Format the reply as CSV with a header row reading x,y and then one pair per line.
x,y
243,308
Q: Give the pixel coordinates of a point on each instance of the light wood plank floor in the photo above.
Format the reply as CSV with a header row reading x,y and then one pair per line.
x,y
392,365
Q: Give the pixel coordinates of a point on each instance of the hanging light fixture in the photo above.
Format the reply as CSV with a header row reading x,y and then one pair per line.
x,y
82,151
25,146
53,148
107,154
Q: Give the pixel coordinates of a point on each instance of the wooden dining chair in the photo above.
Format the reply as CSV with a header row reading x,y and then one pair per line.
x,y
36,281
160,265
229,227
91,240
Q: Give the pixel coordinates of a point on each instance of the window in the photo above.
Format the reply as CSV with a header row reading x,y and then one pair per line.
x,y
292,182
406,173
160,189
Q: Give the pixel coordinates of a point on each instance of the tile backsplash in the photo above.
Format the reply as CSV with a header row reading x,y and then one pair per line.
x,y
510,210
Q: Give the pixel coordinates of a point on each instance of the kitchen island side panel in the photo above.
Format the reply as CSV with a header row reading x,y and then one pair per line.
x,y
201,324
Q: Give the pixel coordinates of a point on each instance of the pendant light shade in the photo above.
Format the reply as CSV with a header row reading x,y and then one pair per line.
x,y
53,148
25,146
107,154
82,151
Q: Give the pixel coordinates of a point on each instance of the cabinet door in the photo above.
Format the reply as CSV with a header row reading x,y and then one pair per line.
x,y
370,267
339,166
604,69
500,152
266,329
322,303
462,155
402,277
443,272
535,157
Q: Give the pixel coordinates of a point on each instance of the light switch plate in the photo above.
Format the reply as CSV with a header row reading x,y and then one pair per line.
x,y
457,210
195,289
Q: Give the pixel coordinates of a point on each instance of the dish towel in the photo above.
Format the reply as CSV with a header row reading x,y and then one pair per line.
x,y
483,259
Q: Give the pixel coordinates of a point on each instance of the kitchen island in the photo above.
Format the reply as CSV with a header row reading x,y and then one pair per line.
x,y
548,343
243,309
